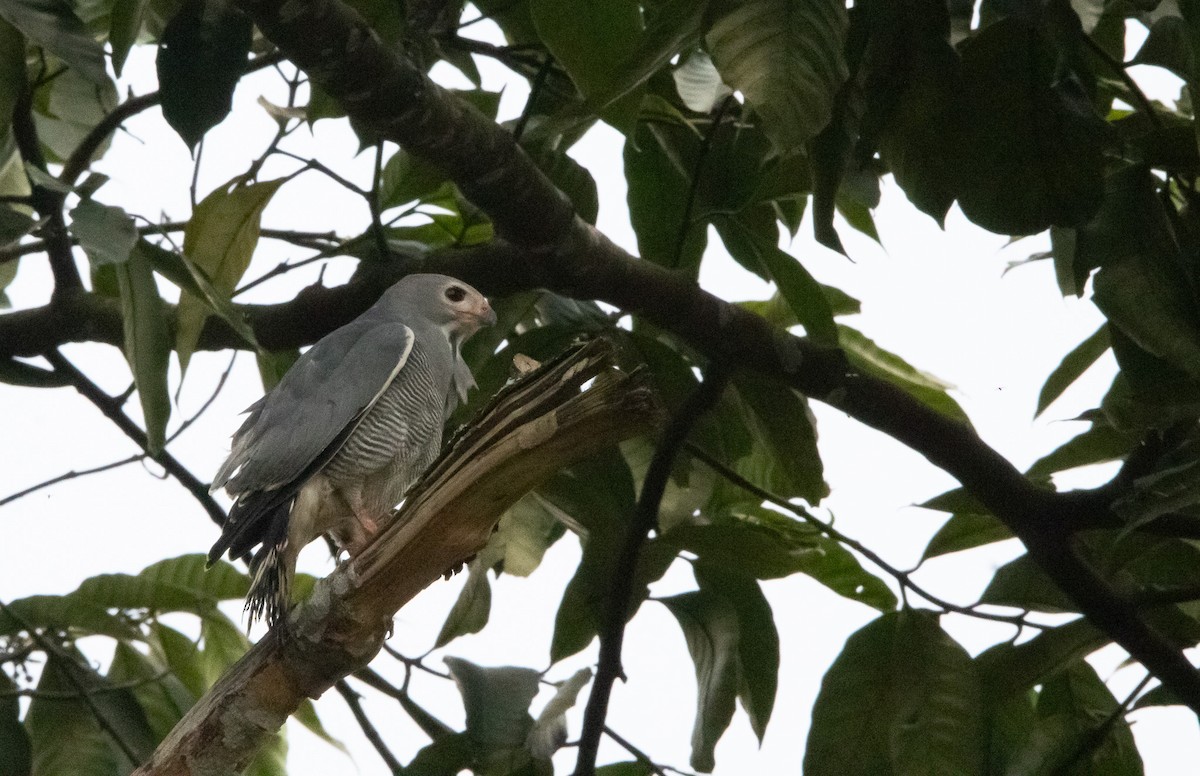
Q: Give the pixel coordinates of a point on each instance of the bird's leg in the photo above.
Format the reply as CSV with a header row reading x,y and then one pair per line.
x,y
364,527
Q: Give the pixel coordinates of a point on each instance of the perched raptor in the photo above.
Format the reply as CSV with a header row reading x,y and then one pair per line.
x,y
332,447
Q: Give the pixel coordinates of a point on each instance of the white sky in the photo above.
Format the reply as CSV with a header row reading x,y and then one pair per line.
x,y
936,298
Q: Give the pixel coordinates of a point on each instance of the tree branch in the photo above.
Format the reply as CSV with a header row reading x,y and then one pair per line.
x,y
112,410
529,431
645,518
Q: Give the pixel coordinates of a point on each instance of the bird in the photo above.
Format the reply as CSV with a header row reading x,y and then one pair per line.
x,y
333,447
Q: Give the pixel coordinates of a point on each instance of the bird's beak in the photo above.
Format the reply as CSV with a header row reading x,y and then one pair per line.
x,y
487,316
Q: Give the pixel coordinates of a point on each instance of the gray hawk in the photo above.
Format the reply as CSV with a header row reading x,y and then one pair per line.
x,y
333,447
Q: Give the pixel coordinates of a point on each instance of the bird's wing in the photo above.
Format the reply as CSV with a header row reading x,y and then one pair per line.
x,y
324,394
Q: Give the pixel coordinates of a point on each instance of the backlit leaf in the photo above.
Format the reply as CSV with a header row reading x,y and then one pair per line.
x,y
147,344
53,25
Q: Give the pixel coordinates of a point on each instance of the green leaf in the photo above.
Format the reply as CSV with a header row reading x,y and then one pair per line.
x,y
1168,490
163,698
803,293
201,56
13,81
53,25
67,740
785,459
1022,584
710,625
191,279
671,26
628,768
406,178
306,715
220,241
66,110
8,273
912,94
496,701
549,730
965,531
14,740
181,655
446,756
223,644
874,360
1023,129
1007,669
571,178
1169,46
13,226
64,612
1073,365
1140,286
106,233
904,698
523,535
470,612
147,344
1074,706
785,57
124,24
658,169
1099,444
585,38
698,82
758,642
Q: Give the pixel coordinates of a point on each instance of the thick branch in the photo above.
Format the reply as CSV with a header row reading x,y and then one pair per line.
x,y
532,429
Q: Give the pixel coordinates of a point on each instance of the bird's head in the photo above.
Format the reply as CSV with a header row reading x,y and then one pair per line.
x,y
446,302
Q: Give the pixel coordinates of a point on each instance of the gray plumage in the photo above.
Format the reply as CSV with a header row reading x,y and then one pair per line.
x,y
332,448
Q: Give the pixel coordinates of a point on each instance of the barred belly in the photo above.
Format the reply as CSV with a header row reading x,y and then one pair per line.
x,y
400,436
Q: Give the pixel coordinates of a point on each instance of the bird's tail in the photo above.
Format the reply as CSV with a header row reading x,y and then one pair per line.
x,y
270,584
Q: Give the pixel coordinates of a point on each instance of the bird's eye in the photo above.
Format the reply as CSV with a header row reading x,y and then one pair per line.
x,y
456,293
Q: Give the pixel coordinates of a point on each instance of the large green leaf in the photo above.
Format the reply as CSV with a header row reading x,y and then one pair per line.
x,y
124,24
758,642
874,360
803,293
496,701
14,739
1099,444
710,625
964,531
1073,365
106,233
586,38
53,25
1024,130
66,730
523,535
659,168
1008,669
912,84
201,57
1074,707
786,57
163,698
12,79
902,698
1022,584
470,612
147,344
220,241
67,109
785,459
64,612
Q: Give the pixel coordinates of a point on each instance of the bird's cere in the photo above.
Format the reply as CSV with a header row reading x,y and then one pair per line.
x,y
334,446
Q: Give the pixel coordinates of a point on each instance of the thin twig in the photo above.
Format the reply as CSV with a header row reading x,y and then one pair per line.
x,y
353,700
315,240
374,205
638,754
645,518
63,695
111,410
133,458
902,577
